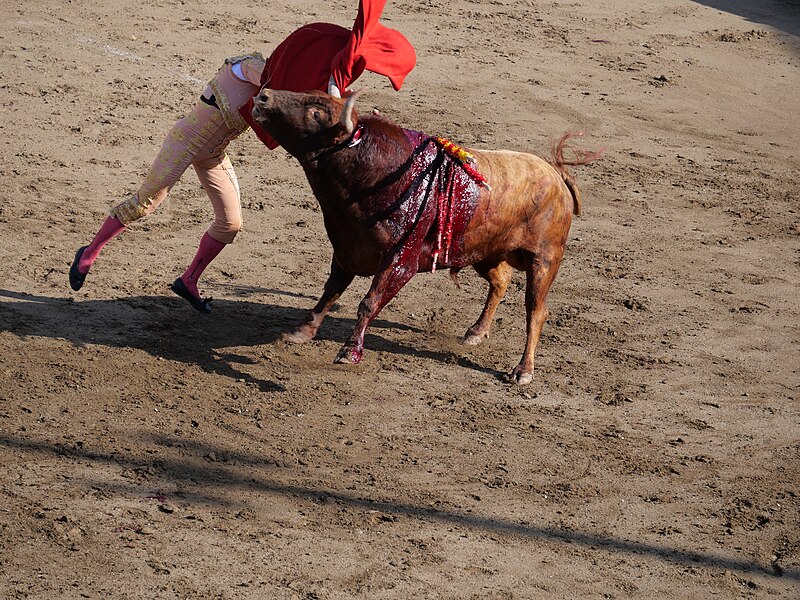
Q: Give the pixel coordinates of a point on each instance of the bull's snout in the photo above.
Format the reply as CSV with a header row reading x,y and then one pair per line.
x,y
261,103
264,96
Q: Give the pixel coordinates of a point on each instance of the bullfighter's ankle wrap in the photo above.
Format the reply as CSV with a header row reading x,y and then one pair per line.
x,y
131,209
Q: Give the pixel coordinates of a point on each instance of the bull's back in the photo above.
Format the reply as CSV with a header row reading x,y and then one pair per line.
x,y
529,205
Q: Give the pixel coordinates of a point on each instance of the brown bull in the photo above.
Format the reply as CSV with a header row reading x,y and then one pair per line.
x,y
396,202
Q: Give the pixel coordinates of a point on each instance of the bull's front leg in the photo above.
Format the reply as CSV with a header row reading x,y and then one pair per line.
x,y
336,284
385,286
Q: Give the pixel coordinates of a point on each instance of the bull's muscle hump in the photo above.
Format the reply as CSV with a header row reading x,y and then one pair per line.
x,y
529,205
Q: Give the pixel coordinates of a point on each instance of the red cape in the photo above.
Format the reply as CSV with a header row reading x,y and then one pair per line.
x,y
308,58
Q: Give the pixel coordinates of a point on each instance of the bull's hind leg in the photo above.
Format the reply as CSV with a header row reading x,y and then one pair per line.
x,y
540,271
498,274
337,283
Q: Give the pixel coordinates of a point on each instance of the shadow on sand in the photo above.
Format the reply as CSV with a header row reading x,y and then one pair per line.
x,y
165,327
240,472
779,14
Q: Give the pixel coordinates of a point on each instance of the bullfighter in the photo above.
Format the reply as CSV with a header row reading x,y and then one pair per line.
x,y
320,56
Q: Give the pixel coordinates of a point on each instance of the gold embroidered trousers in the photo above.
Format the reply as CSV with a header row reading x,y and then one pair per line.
x,y
200,140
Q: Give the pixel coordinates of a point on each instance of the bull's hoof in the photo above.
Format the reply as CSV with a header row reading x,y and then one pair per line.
x,y
298,336
474,336
473,340
348,356
521,378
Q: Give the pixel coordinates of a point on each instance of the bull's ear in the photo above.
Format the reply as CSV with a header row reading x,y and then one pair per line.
x,y
346,118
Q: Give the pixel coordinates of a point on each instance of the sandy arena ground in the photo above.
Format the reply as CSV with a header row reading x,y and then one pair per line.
x,y
148,452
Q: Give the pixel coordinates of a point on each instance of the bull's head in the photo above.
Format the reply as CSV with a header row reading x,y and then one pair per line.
x,y
305,123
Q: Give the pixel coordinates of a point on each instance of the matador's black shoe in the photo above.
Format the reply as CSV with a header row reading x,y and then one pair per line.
x,y
76,278
202,305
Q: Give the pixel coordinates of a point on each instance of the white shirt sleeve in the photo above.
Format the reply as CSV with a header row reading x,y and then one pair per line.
x,y
237,70
333,89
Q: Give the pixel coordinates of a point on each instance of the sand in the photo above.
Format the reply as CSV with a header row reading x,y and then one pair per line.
x,y
149,452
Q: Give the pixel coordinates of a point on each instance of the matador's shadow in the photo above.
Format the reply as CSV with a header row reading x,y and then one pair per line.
x,y
164,326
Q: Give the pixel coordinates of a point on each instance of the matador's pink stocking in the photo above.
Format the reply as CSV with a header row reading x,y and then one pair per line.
x,y
207,251
186,285
110,228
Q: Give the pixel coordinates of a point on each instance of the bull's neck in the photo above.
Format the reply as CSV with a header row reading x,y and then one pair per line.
x,y
359,168
351,142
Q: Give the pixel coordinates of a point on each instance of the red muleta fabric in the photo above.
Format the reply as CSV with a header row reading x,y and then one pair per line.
x,y
308,57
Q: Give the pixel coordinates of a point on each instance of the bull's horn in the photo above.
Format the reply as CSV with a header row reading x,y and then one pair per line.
x,y
346,118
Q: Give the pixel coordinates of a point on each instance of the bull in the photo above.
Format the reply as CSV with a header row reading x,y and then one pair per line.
x,y
396,202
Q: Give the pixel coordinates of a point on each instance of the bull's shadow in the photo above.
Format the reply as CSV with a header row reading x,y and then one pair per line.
x,y
165,326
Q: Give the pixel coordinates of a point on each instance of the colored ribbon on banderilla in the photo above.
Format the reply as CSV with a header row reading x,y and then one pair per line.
x,y
465,159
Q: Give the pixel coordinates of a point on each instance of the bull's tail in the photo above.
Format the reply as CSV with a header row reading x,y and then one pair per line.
x,y
581,157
